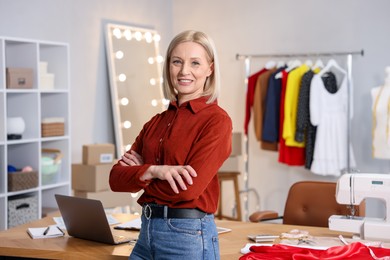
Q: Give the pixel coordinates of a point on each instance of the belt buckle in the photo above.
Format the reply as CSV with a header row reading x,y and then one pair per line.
x,y
147,211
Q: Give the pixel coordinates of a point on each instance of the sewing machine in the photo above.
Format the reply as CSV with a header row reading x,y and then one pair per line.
x,y
352,189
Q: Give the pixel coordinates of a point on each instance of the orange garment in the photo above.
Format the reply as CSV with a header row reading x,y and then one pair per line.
x,y
259,103
196,134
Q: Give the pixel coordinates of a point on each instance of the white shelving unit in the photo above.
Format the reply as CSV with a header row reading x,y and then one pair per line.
x,y
33,105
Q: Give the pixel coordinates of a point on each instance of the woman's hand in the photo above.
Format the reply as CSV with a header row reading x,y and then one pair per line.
x,y
131,159
174,175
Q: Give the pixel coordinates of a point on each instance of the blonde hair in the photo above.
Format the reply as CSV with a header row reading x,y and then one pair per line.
x,y
212,84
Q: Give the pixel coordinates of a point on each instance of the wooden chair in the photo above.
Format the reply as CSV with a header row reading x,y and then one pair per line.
x,y
309,203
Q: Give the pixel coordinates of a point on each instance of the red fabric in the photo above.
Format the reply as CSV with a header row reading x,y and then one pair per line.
x,y
355,251
195,134
250,96
294,156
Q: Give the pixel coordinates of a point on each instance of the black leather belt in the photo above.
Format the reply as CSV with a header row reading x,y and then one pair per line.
x,y
159,211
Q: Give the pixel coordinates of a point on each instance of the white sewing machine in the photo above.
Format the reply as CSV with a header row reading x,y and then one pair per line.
x,y
352,189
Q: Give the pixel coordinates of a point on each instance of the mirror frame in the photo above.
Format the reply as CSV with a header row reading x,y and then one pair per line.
x,y
122,146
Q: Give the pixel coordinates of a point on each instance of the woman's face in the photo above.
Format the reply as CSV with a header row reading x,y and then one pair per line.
x,y
189,69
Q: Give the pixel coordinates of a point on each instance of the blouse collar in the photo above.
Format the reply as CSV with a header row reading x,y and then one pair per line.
x,y
195,105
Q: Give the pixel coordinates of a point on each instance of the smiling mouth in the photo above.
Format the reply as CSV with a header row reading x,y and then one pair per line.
x,y
185,80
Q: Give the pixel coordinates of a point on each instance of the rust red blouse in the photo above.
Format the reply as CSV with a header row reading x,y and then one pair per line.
x,y
195,134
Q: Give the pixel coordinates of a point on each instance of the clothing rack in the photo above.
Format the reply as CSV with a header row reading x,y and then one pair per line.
x,y
247,59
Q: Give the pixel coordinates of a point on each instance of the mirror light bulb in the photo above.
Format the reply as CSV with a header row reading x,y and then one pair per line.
x,y
159,59
122,77
165,101
117,33
150,60
127,147
119,55
152,82
148,37
154,102
127,124
156,37
124,101
127,34
138,36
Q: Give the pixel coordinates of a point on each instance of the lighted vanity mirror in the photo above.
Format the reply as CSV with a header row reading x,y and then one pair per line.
x,y
135,68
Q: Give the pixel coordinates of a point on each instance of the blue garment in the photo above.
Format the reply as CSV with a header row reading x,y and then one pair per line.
x,y
270,131
177,238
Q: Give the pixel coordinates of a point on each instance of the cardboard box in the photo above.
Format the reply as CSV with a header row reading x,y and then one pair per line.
x,y
19,78
98,154
46,81
108,198
91,177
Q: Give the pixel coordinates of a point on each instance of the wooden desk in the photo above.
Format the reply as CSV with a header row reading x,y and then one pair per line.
x,y
16,242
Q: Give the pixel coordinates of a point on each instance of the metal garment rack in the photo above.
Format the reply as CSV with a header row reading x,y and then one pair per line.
x,y
247,59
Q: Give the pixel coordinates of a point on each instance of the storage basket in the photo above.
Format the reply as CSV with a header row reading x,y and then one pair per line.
x,y
50,166
53,129
53,126
22,180
22,209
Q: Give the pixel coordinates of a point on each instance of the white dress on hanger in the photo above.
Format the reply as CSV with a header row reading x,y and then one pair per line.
x,y
329,113
381,119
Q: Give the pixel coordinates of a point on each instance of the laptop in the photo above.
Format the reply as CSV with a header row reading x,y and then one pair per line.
x,y
86,219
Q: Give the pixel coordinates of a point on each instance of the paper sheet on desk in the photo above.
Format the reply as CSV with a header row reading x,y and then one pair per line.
x,y
40,232
60,221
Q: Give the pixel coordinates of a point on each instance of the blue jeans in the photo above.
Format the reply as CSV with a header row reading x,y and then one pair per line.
x,y
174,238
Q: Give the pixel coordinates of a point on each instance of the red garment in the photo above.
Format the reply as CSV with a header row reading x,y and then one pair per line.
x,y
353,251
195,134
250,94
294,156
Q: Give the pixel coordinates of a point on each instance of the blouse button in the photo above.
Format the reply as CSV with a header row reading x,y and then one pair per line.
x,y
169,124
157,159
161,140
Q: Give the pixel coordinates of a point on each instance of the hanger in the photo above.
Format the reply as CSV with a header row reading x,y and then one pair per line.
x,y
309,63
318,64
270,64
280,64
290,65
332,64
293,65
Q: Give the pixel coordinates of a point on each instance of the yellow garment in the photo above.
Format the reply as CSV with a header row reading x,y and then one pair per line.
x,y
291,105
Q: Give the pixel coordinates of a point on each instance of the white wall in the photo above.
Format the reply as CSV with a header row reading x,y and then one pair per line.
x,y
282,26
247,27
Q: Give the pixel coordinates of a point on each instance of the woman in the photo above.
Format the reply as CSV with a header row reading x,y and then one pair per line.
x,y
176,156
